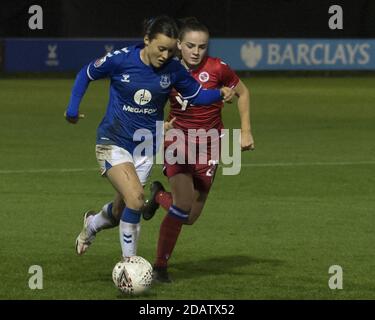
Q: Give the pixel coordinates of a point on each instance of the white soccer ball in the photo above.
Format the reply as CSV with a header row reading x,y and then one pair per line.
x,y
133,275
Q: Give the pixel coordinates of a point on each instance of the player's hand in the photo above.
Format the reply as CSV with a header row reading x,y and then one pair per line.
x,y
227,94
168,124
73,120
247,140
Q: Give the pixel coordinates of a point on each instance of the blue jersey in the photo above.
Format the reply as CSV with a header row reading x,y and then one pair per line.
x,y
138,94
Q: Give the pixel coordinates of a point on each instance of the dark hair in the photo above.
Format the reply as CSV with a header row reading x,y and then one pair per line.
x,y
190,24
160,24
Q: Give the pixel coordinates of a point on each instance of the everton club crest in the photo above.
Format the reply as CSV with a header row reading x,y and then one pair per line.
x,y
165,81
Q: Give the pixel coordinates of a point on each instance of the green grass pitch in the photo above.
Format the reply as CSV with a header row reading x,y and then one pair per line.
x,y
303,201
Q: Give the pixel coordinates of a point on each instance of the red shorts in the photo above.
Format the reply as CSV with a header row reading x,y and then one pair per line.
x,y
203,170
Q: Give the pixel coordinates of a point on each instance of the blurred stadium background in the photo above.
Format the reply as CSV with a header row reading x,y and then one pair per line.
x,y
304,200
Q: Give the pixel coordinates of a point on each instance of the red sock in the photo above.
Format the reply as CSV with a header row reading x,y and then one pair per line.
x,y
164,199
170,228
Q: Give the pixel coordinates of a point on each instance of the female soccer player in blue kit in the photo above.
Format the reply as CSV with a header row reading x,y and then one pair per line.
x,y
142,77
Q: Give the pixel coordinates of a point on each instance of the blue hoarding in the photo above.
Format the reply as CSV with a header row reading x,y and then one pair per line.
x,y
43,55
55,55
296,54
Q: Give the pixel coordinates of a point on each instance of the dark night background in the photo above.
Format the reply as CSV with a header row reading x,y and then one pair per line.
x,y
225,18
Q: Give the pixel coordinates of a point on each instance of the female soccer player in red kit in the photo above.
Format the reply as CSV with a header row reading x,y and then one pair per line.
x,y
191,183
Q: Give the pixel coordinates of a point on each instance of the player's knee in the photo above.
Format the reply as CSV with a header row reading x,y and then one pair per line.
x,y
135,200
183,206
183,202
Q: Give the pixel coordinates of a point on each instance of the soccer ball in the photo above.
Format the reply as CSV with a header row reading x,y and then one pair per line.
x,y
133,275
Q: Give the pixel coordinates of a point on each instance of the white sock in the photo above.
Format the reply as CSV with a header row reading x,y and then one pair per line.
x,y
137,236
129,238
101,221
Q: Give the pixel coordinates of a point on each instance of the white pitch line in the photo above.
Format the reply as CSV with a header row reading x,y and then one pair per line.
x,y
302,164
270,164
62,170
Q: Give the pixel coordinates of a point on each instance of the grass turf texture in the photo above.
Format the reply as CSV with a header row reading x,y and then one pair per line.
x,y
271,232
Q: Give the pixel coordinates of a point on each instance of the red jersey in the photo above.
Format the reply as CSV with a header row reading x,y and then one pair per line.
x,y
211,74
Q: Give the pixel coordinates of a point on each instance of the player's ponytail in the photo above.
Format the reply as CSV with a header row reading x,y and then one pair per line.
x,y
160,24
190,24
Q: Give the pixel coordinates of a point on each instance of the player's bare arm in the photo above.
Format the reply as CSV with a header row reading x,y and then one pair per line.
x,y
243,104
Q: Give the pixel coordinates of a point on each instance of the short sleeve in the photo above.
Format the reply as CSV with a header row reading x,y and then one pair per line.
x,y
228,77
105,66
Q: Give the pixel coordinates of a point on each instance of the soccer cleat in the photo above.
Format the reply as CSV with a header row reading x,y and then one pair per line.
x,y
84,240
160,274
150,207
